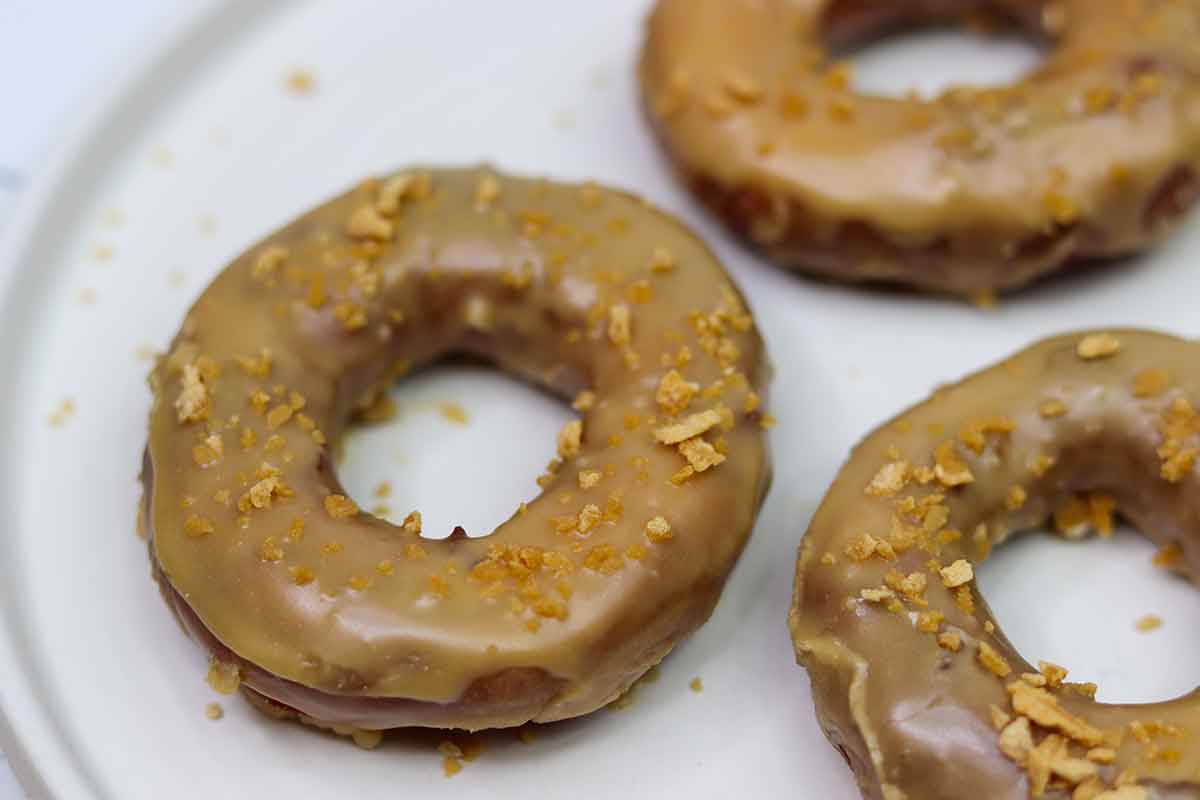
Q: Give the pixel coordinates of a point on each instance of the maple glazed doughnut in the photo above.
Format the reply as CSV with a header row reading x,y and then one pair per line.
x,y
913,680
1094,154
319,610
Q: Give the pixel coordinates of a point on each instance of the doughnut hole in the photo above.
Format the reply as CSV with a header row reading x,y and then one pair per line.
x,y
1079,603
463,444
893,54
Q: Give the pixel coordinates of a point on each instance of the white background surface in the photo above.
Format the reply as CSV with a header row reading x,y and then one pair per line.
x,y
52,55
408,83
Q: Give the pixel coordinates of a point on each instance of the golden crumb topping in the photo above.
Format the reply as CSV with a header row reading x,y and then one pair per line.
x,y
1149,622
366,222
1043,708
700,454
949,469
890,479
223,677
659,530
687,428
192,403
570,439
1098,345
957,574
619,324
992,661
674,393
339,506
1151,382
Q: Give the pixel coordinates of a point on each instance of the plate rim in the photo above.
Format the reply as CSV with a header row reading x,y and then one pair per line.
x,y
44,764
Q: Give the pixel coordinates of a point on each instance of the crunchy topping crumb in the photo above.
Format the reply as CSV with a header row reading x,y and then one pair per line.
x,y
223,677
584,401
1043,708
367,223
1098,345
662,260
196,526
1016,740
192,404
993,661
949,640
619,325
412,523
299,81
687,428
1052,409
674,393
1015,499
589,478
957,574
214,711
700,454
394,190
1149,623
659,530
339,506
301,575
1150,382
949,469
487,191
570,439
453,412
890,479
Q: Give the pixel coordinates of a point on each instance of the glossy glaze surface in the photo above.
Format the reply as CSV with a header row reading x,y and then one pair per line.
x,y
913,680
1094,154
585,291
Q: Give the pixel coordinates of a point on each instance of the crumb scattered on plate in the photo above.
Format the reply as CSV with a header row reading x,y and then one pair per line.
x,y
1149,623
162,157
87,296
564,119
207,224
454,753
103,252
60,415
453,412
176,278
384,489
214,711
300,81
696,685
381,510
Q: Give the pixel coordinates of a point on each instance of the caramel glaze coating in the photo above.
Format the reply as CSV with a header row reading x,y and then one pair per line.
x,y
911,716
354,622
1094,154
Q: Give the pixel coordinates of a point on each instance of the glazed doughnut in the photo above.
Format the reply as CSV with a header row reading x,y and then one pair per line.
x,y
326,612
913,680
1094,154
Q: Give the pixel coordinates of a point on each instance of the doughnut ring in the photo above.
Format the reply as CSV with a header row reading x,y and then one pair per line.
x,y
316,609
913,680
1093,155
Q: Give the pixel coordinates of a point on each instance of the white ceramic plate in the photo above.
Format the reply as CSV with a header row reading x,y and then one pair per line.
x,y
199,151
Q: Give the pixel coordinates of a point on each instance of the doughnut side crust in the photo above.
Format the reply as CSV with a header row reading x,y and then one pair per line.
x,y
590,293
912,677
1095,154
